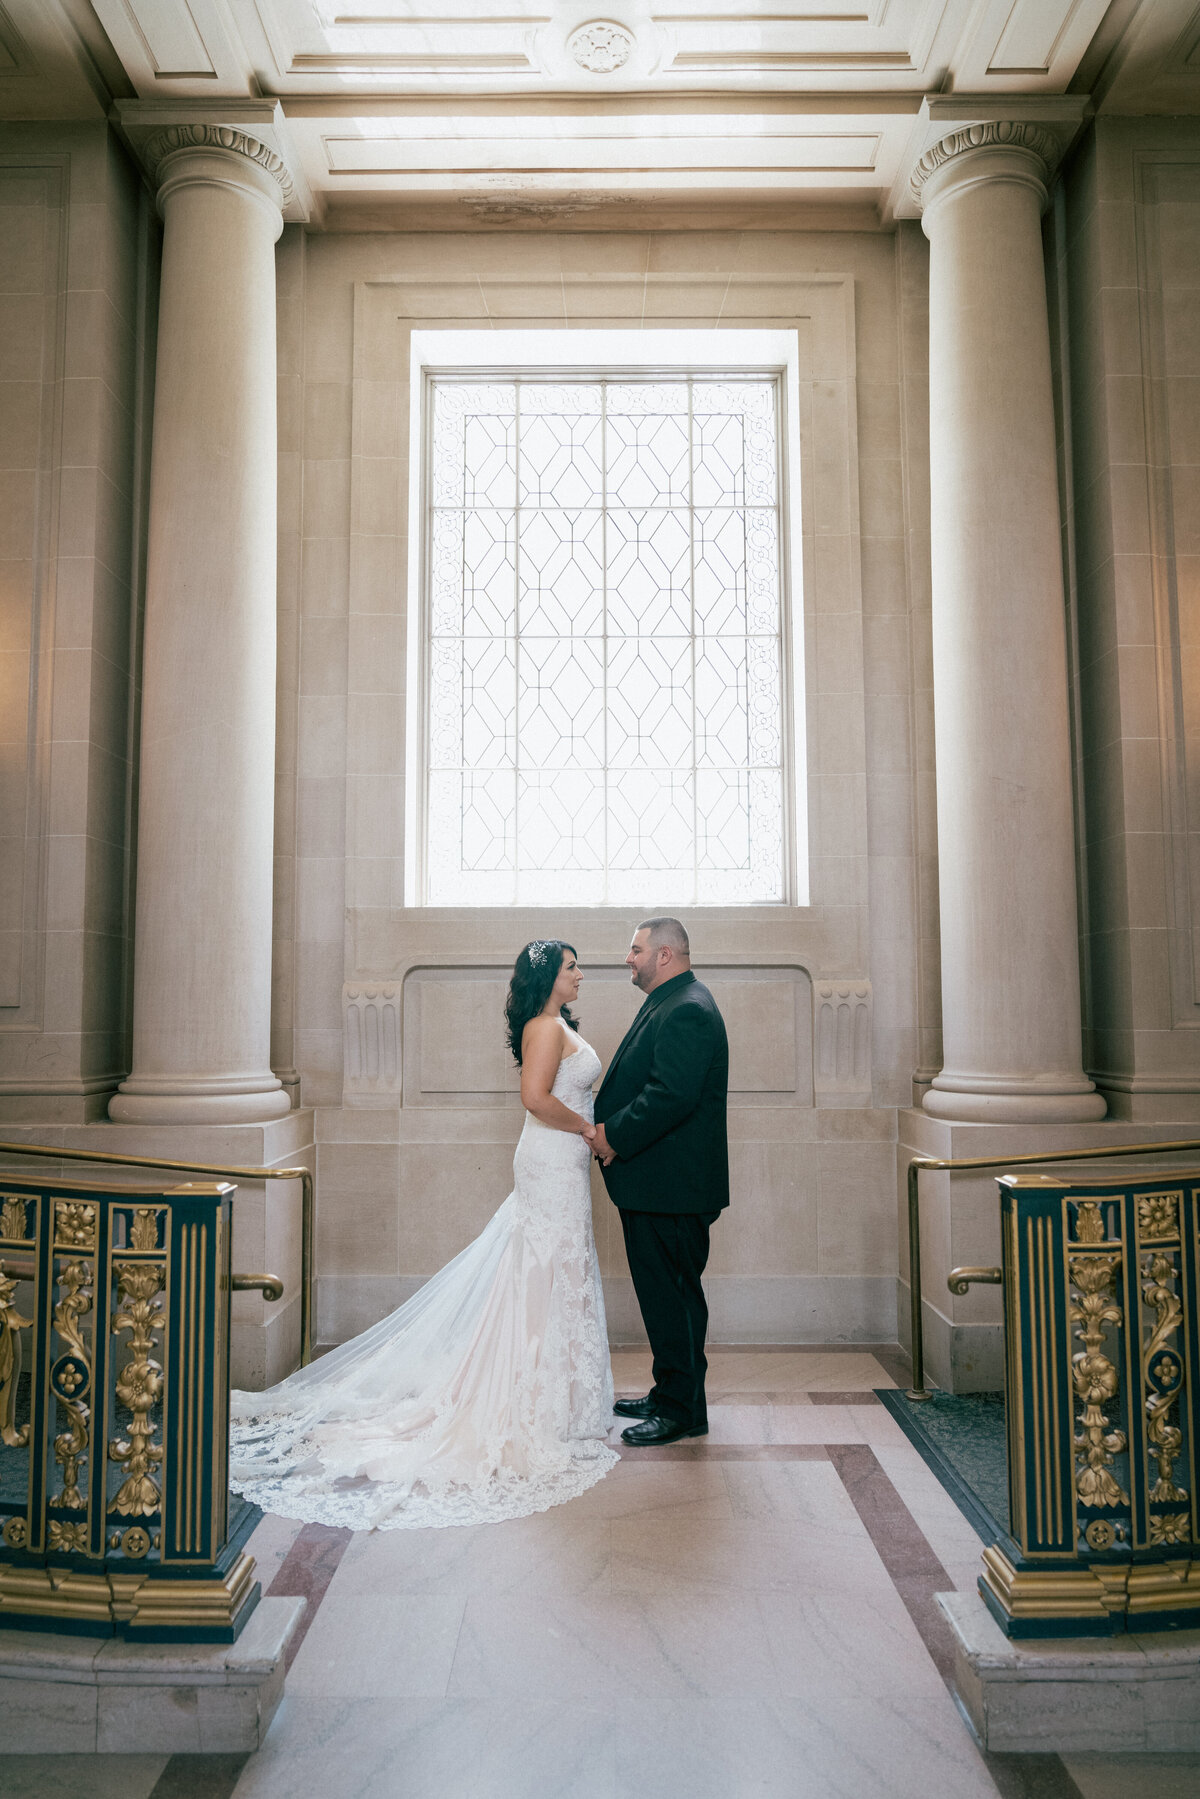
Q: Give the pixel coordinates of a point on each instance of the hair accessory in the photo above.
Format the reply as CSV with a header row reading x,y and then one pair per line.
x,y
538,953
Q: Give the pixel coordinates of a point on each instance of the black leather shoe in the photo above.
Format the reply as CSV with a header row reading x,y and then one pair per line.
x,y
656,1430
635,1408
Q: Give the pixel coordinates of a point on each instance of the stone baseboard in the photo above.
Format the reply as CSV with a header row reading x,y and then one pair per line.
x,y
961,1358
1117,1695
66,1695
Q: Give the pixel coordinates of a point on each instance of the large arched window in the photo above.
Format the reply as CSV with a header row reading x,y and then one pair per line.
x,y
605,651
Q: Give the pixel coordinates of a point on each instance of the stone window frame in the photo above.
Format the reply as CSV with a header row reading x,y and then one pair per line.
x,y
831,929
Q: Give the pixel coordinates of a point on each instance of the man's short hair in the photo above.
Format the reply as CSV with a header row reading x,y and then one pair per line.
x,y
668,931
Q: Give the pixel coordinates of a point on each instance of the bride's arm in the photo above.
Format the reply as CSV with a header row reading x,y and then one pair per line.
x,y
541,1053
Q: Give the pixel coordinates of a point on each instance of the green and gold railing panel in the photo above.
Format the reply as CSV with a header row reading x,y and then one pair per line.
x,y
115,1514
1101,1284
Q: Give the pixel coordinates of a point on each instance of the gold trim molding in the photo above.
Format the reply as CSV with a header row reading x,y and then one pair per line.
x,y
133,1600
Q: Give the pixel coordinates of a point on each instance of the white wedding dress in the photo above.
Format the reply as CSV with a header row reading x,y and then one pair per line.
x,y
487,1395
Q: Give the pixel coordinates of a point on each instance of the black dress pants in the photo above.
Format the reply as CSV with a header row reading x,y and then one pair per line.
x,y
667,1252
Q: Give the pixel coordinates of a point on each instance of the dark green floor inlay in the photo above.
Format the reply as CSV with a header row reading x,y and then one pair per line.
x,y
962,1438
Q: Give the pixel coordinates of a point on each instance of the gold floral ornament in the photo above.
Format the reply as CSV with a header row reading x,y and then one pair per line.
x,y
1100,1534
1158,1215
15,1533
144,1234
1096,1380
136,1542
1089,1222
67,1538
70,1446
74,1224
13,1216
1165,1440
12,1323
1170,1527
139,1387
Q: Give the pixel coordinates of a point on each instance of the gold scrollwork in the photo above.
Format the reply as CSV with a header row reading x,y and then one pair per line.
x,y
139,1387
14,1217
12,1323
67,1538
75,1223
1170,1527
70,1446
1162,1377
1095,1378
1158,1215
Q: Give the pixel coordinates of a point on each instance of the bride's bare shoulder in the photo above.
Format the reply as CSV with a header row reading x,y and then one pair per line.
x,y
540,1029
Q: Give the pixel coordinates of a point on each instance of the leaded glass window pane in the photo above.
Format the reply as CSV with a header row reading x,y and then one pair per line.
x,y
604,657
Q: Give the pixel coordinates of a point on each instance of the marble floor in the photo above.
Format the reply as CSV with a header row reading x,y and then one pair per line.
x,y
749,1616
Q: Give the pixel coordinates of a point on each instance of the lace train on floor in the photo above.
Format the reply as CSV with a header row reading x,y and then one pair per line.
x,y
488,1395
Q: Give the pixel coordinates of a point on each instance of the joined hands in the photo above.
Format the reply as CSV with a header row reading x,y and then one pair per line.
x,y
593,1135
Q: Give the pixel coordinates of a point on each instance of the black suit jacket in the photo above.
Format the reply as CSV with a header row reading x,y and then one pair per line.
x,y
662,1104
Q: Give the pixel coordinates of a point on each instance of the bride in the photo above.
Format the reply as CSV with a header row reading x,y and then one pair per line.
x,y
488,1394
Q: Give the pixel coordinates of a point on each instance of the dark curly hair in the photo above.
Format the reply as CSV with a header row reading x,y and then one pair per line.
x,y
534,973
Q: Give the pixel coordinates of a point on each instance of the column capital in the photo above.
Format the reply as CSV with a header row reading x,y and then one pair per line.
x,y
996,138
253,131
1030,132
174,139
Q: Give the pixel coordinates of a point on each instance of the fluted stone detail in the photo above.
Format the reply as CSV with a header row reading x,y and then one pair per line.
x,y
171,138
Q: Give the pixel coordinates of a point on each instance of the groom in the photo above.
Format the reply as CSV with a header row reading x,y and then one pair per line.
x,y
661,1141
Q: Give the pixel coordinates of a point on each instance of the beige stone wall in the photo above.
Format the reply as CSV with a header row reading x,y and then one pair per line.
x,y
1131,265
75,256
392,1015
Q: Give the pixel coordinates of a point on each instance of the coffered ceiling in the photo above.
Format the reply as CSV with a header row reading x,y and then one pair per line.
x,y
446,109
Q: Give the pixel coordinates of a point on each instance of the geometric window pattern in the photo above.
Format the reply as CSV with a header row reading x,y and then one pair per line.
x,y
604,652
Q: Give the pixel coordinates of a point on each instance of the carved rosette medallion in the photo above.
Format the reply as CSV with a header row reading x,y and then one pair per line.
x,y
75,1225
1097,1442
601,46
67,1538
218,137
995,134
139,1388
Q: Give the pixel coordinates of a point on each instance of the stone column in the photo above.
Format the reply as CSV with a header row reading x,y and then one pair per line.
x,y
1009,932
202,973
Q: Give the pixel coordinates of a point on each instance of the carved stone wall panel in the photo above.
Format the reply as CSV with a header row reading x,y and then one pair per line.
x,y
842,1062
453,1053
460,1036
371,1014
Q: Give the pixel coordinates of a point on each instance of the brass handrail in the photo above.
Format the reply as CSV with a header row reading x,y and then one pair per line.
x,y
229,1172
918,1390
